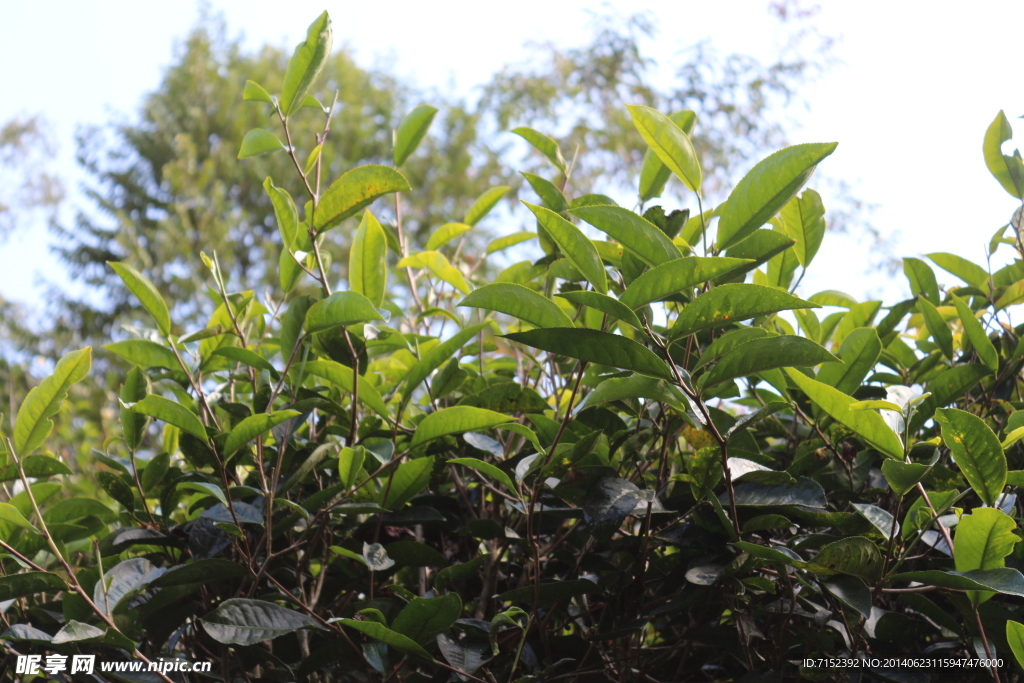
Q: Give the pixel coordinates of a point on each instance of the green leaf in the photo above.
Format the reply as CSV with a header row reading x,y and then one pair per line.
x,y
983,540
488,469
483,205
314,156
500,243
385,635
868,425
519,302
803,218
596,347
438,264
969,272
1008,170
144,353
433,358
922,279
146,293
423,618
135,388
604,303
975,333
35,466
409,478
859,353
456,420
767,188
411,131
1015,638
544,145
200,571
937,327
306,64
631,231
548,192
172,413
350,463
353,191
903,476
367,260
254,425
446,233
879,518
240,621
24,584
246,357
458,572
116,487
259,141
675,277
10,514
975,450
728,304
550,593
654,174
574,245
340,309
255,92
669,142
33,425
206,489
342,376
760,247
855,555
766,353
286,215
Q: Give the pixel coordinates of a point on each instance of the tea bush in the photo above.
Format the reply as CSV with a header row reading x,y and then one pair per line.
x,y
639,458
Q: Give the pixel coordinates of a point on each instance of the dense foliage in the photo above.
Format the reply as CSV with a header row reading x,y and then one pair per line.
x,y
640,457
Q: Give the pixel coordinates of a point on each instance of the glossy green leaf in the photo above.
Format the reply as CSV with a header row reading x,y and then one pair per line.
x,y
353,191
172,413
635,386
144,353
976,334
544,144
10,514
456,420
1015,638
246,357
255,92
423,618
306,64
975,450
312,159
36,467
903,476
286,215
1008,581
519,302
803,219
117,488
133,426
596,347
500,243
868,425
574,245
856,556
488,469
879,518
549,193
385,635
367,260
669,142
433,358
342,376
677,276
859,353
29,583
604,303
411,131
728,304
766,353
632,231
983,539
259,141
240,621
759,247
254,425
199,571
146,293
340,309
411,477
653,173
766,189
1008,170
446,233
33,424
937,327
438,264
971,273
483,205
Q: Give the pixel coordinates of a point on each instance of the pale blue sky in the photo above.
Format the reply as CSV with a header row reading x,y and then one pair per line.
x,y
918,85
